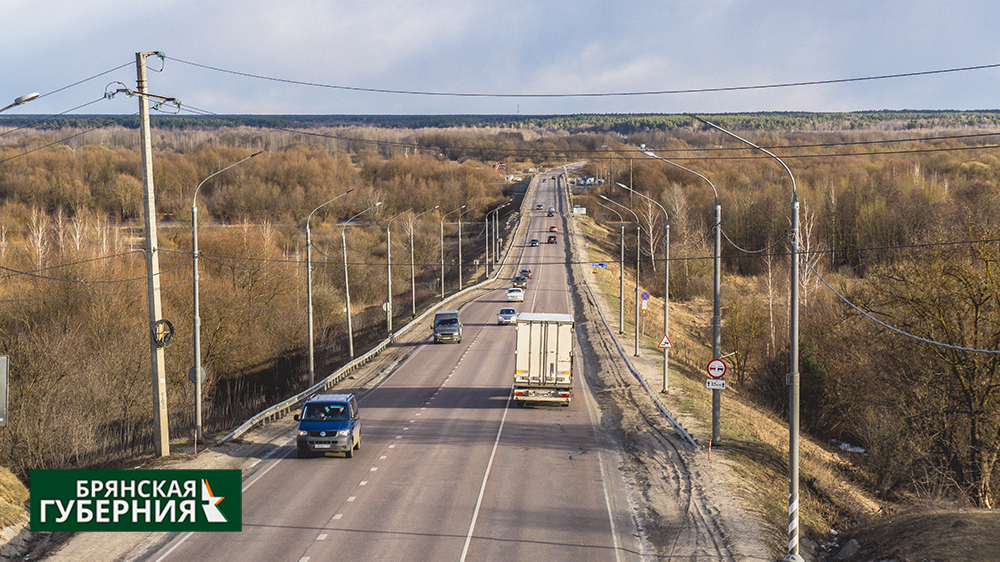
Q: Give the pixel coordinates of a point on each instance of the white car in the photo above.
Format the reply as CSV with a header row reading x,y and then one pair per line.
x,y
515,294
506,316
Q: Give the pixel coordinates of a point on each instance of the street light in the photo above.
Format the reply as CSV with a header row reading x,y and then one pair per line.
x,y
388,273
347,286
460,285
496,251
309,287
638,236
442,247
793,352
717,294
621,269
413,282
197,372
21,100
666,278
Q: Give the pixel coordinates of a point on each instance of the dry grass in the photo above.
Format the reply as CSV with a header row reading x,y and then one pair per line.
x,y
13,497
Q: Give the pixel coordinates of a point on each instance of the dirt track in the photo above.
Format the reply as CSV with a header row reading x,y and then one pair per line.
x,y
686,505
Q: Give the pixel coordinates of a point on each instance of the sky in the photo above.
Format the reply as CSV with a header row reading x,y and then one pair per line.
x,y
530,57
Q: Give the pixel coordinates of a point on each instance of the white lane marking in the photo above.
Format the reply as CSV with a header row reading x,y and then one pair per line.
x,y
180,542
482,488
363,483
373,469
393,446
382,458
304,559
351,498
399,437
338,516
321,537
591,406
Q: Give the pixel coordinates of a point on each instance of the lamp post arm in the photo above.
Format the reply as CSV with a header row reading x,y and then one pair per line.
x,y
743,140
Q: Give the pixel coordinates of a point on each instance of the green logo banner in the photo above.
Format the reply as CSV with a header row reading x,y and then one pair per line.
x,y
136,500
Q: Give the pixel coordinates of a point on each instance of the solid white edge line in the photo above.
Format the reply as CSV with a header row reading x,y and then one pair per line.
x,y
604,470
486,476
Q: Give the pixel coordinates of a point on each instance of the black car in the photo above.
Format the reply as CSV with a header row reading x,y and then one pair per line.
x,y
520,281
553,239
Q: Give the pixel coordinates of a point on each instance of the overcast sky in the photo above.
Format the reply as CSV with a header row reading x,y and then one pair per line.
x,y
523,48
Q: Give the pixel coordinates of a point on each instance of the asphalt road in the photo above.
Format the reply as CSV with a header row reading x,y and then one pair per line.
x,y
449,469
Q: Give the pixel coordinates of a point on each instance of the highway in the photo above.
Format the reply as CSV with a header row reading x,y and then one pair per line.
x,y
449,469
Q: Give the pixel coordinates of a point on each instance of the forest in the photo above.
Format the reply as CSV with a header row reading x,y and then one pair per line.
x,y
898,246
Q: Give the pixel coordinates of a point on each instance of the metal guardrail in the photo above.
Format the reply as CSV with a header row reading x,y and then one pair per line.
x,y
285,406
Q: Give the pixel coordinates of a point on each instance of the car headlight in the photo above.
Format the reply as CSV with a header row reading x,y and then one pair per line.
x,y
303,433
344,433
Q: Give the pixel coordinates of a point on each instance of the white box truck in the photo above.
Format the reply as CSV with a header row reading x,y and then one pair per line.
x,y
543,358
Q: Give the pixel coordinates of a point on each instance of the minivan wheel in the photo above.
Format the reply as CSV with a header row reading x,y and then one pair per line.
x,y
349,453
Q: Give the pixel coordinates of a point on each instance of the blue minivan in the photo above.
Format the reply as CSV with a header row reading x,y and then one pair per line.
x,y
329,423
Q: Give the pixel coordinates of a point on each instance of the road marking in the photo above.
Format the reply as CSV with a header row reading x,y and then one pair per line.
x,y
338,516
383,457
482,488
393,446
591,407
373,469
350,499
321,537
304,559
363,483
399,437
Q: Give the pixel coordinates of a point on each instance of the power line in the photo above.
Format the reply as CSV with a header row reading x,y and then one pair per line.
x,y
583,94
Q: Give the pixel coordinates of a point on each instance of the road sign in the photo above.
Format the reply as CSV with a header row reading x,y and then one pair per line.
x,y
645,296
600,265
665,343
716,368
715,384
644,306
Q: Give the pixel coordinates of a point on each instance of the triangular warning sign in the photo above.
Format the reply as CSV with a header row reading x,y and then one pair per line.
x,y
665,343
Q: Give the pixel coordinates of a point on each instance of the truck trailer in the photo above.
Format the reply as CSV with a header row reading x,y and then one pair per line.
x,y
543,358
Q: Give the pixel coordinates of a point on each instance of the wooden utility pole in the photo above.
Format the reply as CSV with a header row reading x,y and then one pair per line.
x,y
157,337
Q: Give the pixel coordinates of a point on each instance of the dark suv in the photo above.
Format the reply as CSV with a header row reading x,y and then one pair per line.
x,y
329,423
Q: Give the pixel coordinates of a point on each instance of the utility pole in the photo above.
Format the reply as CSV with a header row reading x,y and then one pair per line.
x,y
157,336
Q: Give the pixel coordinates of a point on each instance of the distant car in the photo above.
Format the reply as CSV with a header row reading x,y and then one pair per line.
x,y
538,207
553,228
551,214
533,242
553,239
515,294
525,273
520,281
506,316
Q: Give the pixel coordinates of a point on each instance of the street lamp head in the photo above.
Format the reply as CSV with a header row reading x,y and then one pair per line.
x,y
18,101
26,98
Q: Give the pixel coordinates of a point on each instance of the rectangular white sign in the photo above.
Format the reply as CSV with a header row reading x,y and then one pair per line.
x,y
715,384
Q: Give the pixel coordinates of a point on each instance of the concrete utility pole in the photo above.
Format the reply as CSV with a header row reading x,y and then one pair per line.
x,y
157,341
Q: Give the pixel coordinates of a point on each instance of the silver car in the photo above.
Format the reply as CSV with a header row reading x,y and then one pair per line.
x,y
506,316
